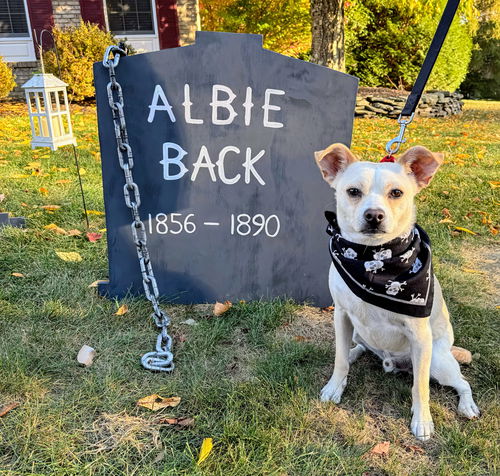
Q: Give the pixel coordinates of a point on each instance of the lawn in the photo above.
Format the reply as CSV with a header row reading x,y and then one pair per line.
x,y
250,378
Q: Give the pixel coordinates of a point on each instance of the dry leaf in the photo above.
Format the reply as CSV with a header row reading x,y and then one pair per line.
x,y
18,176
96,283
328,308
220,308
493,230
71,256
63,181
205,450
55,229
123,309
18,275
155,402
416,449
466,230
445,220
2,197
446,213
473,271
380,449
93,237
7,408
94,212
494,184
74,232
43,191
50,207
301,339
182,422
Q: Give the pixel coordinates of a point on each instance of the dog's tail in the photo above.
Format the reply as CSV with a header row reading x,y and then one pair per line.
x,y
462,356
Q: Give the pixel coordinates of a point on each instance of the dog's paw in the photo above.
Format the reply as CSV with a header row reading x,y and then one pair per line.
x,y
333,391
467,407
422,429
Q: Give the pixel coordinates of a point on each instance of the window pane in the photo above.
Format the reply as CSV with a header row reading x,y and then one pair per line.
x,y
130,16
13,18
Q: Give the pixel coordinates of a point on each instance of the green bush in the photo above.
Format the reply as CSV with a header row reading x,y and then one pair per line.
x,y
386,42
79,48
7,82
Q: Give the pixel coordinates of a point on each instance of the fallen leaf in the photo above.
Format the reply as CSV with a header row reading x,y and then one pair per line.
x,y
155,402
93,237
96,283
74,232
416,449
2,197
445,220
71,256
7,408
18,176
18,275
494,184
466,230
43,191
493,230
379,449
446,213
328,308
63,181
55,229
94,212
182,422
123,309
473,271
33,165
50,207
205,450
301,339
445,192
220,308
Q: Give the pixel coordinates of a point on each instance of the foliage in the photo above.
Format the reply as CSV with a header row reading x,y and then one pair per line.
x,y
483,78
7,82
79,48
386,42
285,24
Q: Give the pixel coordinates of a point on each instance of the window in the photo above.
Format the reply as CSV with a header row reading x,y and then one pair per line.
x,y
13,18
130,17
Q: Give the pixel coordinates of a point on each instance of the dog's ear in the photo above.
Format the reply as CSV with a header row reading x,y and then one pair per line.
x,y
333,160
422,163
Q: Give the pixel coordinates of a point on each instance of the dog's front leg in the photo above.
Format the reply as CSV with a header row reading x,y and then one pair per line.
x,y
421,353
343,337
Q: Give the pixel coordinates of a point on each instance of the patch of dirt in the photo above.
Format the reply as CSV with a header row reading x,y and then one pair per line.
x,y
309,324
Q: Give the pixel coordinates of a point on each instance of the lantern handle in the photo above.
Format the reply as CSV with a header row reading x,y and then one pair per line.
x,y
40,48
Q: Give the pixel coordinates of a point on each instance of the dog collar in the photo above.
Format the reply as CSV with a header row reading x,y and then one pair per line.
x,y
389,158
396,276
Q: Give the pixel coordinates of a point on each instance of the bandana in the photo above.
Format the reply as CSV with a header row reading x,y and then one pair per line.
x,y
396,276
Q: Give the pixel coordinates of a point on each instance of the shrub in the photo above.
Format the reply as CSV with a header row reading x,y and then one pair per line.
x,y
7,82
79,48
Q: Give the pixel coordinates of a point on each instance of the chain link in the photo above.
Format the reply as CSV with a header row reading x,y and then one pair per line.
x,y
162,358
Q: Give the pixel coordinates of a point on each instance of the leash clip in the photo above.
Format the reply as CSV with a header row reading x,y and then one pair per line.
x,y
393,145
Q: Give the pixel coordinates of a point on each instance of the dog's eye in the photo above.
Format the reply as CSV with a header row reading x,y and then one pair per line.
x,y
396,193
354,192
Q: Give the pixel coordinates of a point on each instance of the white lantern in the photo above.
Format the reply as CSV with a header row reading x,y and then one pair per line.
x,y
49,111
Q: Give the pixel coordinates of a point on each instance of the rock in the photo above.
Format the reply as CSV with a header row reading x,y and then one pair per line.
x,y
86,355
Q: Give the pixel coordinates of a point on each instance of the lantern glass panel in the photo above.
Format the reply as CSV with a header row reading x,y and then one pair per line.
x,y
53,101
41,101
65,124
32,102
36,125
62,102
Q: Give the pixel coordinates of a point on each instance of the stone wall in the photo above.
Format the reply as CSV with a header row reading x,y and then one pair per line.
x,y
66,13
432,104
23,71
188,13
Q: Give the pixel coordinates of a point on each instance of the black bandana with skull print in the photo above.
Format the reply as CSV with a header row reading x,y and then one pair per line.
x,y
396,276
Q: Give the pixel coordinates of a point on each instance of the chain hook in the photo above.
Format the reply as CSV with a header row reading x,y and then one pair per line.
x,y
393,145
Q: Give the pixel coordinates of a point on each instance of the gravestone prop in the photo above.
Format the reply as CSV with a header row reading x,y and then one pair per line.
x,y
223,134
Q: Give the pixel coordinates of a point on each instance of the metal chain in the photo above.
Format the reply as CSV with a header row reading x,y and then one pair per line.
x,y
161,359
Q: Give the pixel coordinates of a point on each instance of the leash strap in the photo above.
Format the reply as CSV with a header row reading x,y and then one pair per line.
x,y
418,88
431,57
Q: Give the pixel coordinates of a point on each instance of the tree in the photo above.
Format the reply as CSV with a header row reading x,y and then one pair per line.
x,y
328,33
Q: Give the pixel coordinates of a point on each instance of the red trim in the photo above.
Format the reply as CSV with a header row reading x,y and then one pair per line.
x,y
389,158
41,18
93,12
168,23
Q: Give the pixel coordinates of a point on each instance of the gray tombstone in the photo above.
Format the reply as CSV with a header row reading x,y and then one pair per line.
x,y
223,134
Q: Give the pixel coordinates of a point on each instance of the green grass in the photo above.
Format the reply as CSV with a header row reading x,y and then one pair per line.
x,y
251,377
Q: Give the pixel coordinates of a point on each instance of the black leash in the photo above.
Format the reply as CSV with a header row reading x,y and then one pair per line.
x,y
418,88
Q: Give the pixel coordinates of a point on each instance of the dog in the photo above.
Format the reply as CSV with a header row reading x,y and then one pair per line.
x,y
375,212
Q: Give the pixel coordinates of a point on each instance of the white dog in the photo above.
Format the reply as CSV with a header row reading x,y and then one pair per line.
x,y
387,299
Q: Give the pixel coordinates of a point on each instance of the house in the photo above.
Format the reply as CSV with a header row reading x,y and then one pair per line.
x,y
148,25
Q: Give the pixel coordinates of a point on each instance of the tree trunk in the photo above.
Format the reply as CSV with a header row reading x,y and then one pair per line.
x,y
328,33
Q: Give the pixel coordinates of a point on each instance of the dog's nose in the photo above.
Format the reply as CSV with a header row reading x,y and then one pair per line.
x,y
374,216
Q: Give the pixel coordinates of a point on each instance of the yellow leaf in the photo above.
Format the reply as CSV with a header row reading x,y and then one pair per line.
x,y
18,176
71,256
494,184
205,450
63,181
155,402
123,309
445,220
74,232
94,212
33,165
18,275
473,271
55,229
221,308
43,191
50,207
466,230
